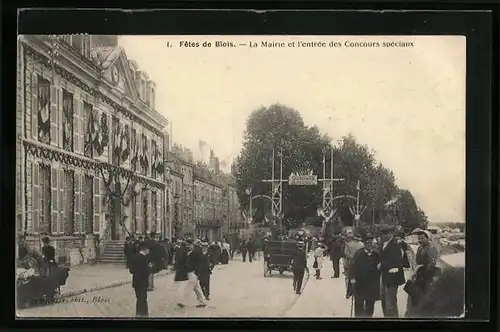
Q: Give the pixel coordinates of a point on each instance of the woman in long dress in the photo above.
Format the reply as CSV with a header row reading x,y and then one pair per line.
x,y
224,257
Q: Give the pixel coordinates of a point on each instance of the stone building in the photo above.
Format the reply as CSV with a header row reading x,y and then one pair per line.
x,y
89,159
208,203
181,169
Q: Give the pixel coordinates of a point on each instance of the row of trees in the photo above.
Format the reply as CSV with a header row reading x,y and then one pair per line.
x,y
281,128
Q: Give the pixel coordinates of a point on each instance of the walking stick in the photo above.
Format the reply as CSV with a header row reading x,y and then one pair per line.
x,y
352,304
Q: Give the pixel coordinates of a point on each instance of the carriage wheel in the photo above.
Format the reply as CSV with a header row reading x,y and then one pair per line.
x,y
267,272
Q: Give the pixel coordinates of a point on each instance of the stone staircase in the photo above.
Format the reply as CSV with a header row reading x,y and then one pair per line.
x,y
113,252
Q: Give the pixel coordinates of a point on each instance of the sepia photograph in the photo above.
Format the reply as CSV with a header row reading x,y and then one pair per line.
x,y
278,176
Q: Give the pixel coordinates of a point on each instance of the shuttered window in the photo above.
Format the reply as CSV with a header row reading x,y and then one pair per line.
x,y
88,204
69,193
34,106
45,201
149,216
35,199
97,205
54,116
77,221
62,201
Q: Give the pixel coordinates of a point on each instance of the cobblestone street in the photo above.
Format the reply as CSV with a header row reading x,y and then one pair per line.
x,y
238,289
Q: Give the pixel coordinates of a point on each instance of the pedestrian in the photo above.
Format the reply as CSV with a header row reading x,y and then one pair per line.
x,y
129,250
225,253
49,254
299,265
205,270
420,283
193,258
251,250
335,255
351,246
364,274
393,261
140,268
318,259
243,250
154,258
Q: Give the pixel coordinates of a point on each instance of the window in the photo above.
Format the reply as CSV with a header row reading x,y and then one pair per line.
x,y
152,101
45,200
154,211
77,43
143,90
67,125
89,134
116,141
88,206
43,112
69,193
155,156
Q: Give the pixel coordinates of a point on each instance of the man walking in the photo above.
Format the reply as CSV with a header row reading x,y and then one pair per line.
x,y
243,250
335,254
251,250
140,268
205,270
192,265
299,264
392,263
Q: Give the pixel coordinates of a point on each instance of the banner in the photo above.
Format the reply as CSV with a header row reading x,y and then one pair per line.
x,y
302,180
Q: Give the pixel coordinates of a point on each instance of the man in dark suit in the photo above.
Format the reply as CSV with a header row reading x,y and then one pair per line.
x,y
392,269
365,277
129,249
336,254
140,267
204,270
243,250
299,264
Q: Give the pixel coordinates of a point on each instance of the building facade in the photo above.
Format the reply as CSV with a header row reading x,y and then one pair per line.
x,y
89,159
204,202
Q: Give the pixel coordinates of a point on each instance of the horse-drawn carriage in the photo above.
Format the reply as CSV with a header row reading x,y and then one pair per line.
x,y
278,256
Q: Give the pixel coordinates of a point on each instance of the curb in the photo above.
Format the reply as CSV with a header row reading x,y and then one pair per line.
x,y
98,288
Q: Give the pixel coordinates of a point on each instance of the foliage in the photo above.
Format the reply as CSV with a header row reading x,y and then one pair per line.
x,y
281,128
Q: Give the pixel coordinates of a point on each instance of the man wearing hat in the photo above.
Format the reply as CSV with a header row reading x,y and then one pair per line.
x,y
352,245
392,260
364,274
205,270
299,264
140,268
193,258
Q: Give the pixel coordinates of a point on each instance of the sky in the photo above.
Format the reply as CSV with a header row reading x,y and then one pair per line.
x,y
407,103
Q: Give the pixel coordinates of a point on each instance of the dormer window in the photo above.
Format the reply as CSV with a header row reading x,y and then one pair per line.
x,y
152,101
143,90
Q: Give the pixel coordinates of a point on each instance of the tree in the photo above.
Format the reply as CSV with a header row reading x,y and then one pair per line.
x,y
282,129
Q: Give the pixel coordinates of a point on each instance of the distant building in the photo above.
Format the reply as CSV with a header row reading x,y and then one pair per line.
x,y
205,202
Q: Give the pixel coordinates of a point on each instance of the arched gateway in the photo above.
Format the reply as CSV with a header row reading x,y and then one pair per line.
x,y
307,178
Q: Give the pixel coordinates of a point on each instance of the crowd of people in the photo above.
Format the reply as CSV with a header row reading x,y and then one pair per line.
x,y
374,269
192,260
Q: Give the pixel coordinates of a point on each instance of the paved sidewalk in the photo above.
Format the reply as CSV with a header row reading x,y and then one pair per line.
x,y
89,278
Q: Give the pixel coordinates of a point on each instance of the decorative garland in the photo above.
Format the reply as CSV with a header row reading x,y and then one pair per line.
x,y
63,157
48,63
